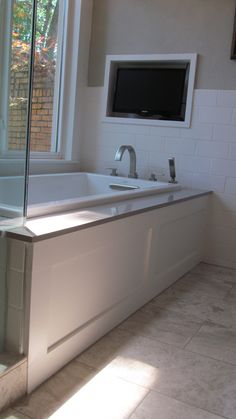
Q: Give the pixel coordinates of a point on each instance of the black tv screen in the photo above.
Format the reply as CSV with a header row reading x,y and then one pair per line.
x,y
150,92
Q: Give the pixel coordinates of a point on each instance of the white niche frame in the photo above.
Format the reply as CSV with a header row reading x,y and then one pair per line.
x,y
112,61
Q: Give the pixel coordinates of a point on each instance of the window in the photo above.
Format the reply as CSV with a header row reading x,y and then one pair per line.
x,y
49,43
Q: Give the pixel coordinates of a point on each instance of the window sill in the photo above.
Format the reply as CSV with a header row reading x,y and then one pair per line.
x,y
16,167
53,166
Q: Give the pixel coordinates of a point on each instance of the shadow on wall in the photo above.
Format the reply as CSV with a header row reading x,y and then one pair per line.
x,y
168,26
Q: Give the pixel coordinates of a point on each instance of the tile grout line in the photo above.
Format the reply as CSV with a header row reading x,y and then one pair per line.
x,y
168,310
163,394
195,334
157,339
172,345
154,301
191,405
24,414
158,392
139,404
122,379
183,348
190,351
210,357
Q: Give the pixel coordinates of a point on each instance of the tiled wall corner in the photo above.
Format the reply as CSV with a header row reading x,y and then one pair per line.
x,y
2,291
205,156
15,296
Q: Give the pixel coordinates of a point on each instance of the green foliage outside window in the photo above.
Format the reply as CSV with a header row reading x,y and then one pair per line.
x,y
46,30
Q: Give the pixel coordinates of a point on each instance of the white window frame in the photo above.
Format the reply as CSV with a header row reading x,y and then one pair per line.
x,y
65,87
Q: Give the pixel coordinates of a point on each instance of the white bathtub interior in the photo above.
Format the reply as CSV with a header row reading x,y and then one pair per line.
x,y
87,187
11,193
51,193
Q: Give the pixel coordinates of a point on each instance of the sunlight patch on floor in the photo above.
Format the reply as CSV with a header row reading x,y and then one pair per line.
x,y
107,395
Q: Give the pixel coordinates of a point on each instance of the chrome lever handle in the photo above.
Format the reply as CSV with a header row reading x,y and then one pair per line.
x,y
113,171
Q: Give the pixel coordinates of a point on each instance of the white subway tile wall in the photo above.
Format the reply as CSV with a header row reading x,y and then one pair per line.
x,y
205,157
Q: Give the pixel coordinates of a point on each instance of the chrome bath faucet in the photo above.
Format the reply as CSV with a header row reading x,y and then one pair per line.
x,y
132,155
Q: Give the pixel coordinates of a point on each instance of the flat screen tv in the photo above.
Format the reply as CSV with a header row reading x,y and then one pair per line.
x,y
158,92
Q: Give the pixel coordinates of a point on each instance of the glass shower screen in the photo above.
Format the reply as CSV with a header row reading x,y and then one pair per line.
x,y
16,23
15,69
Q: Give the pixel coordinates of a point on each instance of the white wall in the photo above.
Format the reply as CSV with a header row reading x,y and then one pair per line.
x,y
166,26
206,152
205,157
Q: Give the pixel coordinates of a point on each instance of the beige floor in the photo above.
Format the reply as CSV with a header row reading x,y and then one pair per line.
x,y
173,359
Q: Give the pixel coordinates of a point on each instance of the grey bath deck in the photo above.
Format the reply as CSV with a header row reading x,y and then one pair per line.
x,y
53,225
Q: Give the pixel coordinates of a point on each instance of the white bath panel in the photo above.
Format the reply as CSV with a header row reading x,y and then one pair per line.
x,y
85,283
91,279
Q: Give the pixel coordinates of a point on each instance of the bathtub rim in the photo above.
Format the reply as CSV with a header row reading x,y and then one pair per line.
x,y
147,188
142,204
71,204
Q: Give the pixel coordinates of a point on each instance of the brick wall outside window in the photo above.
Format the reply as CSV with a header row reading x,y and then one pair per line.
x,y
42,109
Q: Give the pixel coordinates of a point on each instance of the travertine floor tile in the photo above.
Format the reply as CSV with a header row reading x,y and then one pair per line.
x,y
141,370
164,325
230,298
203,305
216,341
157,406
79,391
177,373
196,284
102,397
55,391
216,273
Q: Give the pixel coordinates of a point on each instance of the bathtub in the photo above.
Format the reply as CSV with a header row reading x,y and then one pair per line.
x,y
52,193
11,196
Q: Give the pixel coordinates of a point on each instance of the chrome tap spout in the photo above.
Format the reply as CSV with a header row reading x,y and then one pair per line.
x,y
132,155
